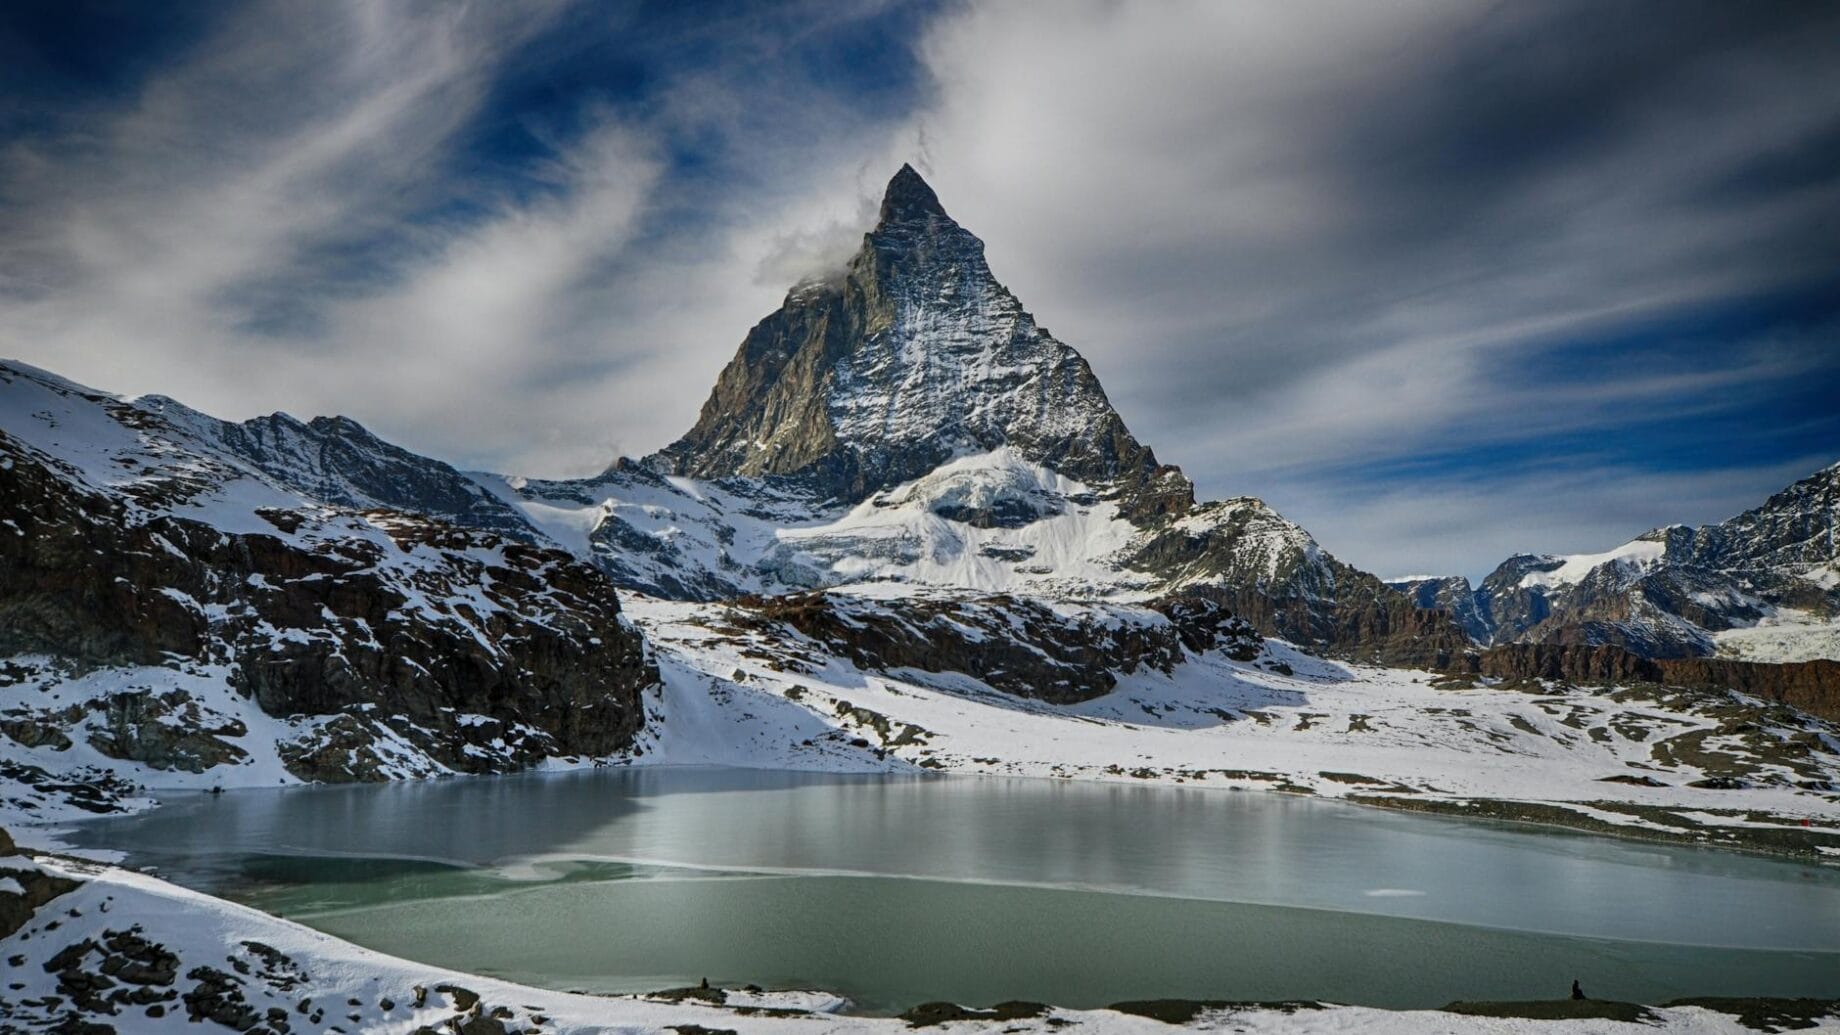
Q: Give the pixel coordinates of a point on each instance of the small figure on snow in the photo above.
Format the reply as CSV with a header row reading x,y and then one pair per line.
x,y
1577,992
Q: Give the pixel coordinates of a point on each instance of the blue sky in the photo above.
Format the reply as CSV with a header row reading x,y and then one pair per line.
x,y
1441,281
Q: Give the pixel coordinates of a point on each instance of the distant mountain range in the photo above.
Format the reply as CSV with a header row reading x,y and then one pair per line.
x,y
1764,586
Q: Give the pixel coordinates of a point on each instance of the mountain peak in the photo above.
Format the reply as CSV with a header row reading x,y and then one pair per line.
x,y
915,356
909,197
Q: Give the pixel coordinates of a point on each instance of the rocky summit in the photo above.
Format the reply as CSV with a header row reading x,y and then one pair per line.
x,y
912,355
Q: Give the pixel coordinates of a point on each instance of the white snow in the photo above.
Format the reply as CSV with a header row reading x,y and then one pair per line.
x,y
755,700
1633,556
1784,635
898,534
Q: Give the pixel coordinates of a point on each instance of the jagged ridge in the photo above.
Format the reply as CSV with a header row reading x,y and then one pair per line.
x,y
156,586
1675,592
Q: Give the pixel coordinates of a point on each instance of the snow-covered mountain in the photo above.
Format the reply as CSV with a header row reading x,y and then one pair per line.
x,y
907,420
336,461
1762,586
173,584
1452,593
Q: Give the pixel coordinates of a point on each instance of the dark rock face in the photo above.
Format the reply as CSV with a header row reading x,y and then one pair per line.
x,y
1455,595
1577,664
79,582
1512,609
1017,645
168,731
1811,686
460,633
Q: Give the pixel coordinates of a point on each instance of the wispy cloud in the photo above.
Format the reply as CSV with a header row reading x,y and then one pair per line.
x,y
1300,241
283,220
1340,254
177,240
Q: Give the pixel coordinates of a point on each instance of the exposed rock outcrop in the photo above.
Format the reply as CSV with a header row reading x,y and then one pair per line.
x,y
1452,593
308,609
1811,686
1059,654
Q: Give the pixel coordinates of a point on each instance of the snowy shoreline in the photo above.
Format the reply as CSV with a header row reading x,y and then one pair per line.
x,y
285,977
1703,769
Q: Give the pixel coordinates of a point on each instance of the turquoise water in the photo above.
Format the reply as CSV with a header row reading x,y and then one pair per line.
x,y
897,890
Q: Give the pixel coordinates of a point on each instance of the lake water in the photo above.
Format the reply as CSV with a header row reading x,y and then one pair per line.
x,y
899,890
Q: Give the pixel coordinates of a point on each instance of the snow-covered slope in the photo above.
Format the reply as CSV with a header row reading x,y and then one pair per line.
x,y
1625,564
992,522
766,685
171,605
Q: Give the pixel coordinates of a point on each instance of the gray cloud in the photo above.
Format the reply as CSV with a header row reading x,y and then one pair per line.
x,y
1296,240
1299,242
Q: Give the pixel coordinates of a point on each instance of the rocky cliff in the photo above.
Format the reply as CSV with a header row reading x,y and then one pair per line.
x,y
1810,686
148,573
1027,648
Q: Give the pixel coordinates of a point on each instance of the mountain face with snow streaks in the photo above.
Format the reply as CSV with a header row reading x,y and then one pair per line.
x,y
1682,592
911,356
337,461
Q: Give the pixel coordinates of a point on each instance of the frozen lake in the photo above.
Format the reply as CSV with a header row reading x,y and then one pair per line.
x,y
898,890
